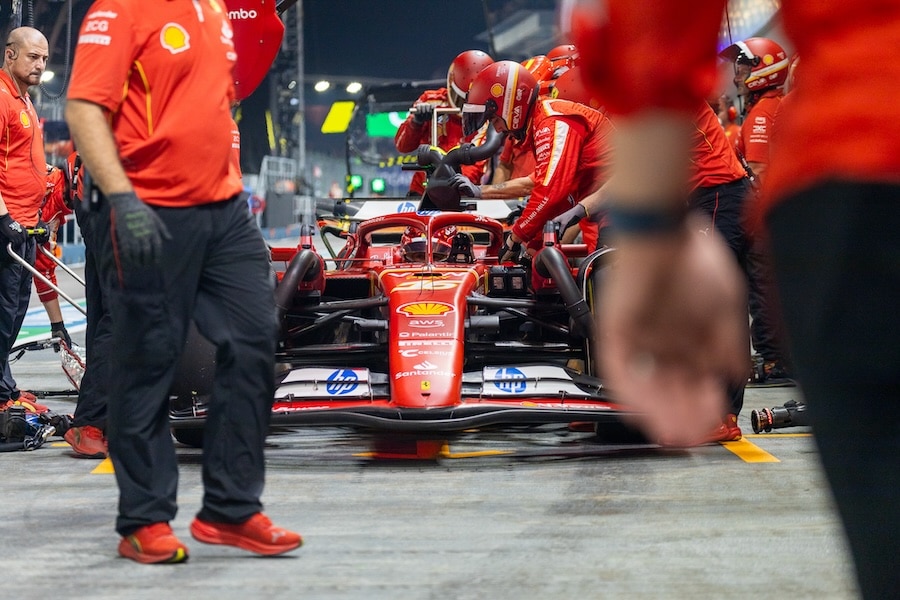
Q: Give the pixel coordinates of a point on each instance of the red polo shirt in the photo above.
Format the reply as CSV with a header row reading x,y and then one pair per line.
x,y
157,83
23,167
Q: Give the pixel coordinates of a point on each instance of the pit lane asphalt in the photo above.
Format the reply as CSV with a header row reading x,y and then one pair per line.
x,y
546,514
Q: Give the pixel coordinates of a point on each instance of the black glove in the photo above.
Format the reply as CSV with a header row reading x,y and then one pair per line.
x,y
139,232
570,217
58,330
12,230
423,112
510,251
466,188
41,232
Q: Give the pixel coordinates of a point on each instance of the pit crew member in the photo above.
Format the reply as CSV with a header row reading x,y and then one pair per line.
x,y
416,129
179,233
571,141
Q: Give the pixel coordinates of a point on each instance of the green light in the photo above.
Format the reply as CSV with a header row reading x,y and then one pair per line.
x,y
377,185
384,124
354,182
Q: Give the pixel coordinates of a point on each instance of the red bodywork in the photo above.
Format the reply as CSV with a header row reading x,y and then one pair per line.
x,y
431,346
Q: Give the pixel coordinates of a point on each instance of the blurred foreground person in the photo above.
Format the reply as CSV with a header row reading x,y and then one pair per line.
x,y
831,207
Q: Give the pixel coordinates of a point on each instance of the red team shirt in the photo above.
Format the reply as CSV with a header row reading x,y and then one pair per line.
x,y
713,159
520,156
572,152
160,67
756,131
23,167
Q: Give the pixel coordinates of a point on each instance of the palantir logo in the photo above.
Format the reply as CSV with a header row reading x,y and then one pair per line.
x,y
511,380
342,381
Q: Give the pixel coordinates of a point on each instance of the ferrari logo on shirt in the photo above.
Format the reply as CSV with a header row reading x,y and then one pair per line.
x,y
174,38
24,119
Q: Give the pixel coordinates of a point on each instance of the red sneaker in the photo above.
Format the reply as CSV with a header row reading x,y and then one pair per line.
x,y
256,534
87,442
728,431
29,401
153,544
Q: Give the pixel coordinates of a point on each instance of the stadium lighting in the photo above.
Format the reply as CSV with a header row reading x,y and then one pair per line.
x,y
354,87
322,86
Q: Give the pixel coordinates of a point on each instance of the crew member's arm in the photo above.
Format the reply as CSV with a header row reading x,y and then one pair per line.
x,y
759,169
513,188
672,315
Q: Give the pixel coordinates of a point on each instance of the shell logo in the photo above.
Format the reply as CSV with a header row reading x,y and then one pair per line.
x,y
174,38
419,309
24,119
768,59
496,90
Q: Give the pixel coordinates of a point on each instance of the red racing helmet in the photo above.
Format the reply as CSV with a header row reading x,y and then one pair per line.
x,y
542,69
462,71
767,60
506,90
563,58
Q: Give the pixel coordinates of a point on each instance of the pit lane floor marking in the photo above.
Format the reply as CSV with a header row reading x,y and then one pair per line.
x,y
104,468
749,452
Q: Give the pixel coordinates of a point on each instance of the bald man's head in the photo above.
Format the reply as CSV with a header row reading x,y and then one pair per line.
x,y
25,56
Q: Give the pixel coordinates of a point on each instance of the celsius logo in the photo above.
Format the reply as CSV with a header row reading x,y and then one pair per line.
x,y
239,14
511,380
341,382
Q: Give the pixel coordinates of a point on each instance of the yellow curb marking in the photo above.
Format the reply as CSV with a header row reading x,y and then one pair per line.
x,y
103,468
749,452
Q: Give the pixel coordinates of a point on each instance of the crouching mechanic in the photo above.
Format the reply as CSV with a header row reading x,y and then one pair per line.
x,y
571,145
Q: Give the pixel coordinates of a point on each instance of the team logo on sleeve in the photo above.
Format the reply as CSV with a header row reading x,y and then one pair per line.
x,y
174,38
24,119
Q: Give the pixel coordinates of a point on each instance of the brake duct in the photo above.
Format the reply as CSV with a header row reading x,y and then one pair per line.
x,y
304,266
551,262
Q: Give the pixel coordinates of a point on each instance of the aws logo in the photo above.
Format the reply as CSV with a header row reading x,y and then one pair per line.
x,y
419,309
174,38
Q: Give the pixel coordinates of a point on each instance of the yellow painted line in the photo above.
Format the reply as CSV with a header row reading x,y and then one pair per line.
x,y
749,452
475,454
59,445
775,436
104,468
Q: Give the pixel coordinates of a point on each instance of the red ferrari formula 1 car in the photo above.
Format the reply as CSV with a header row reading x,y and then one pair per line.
x,y
416,327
